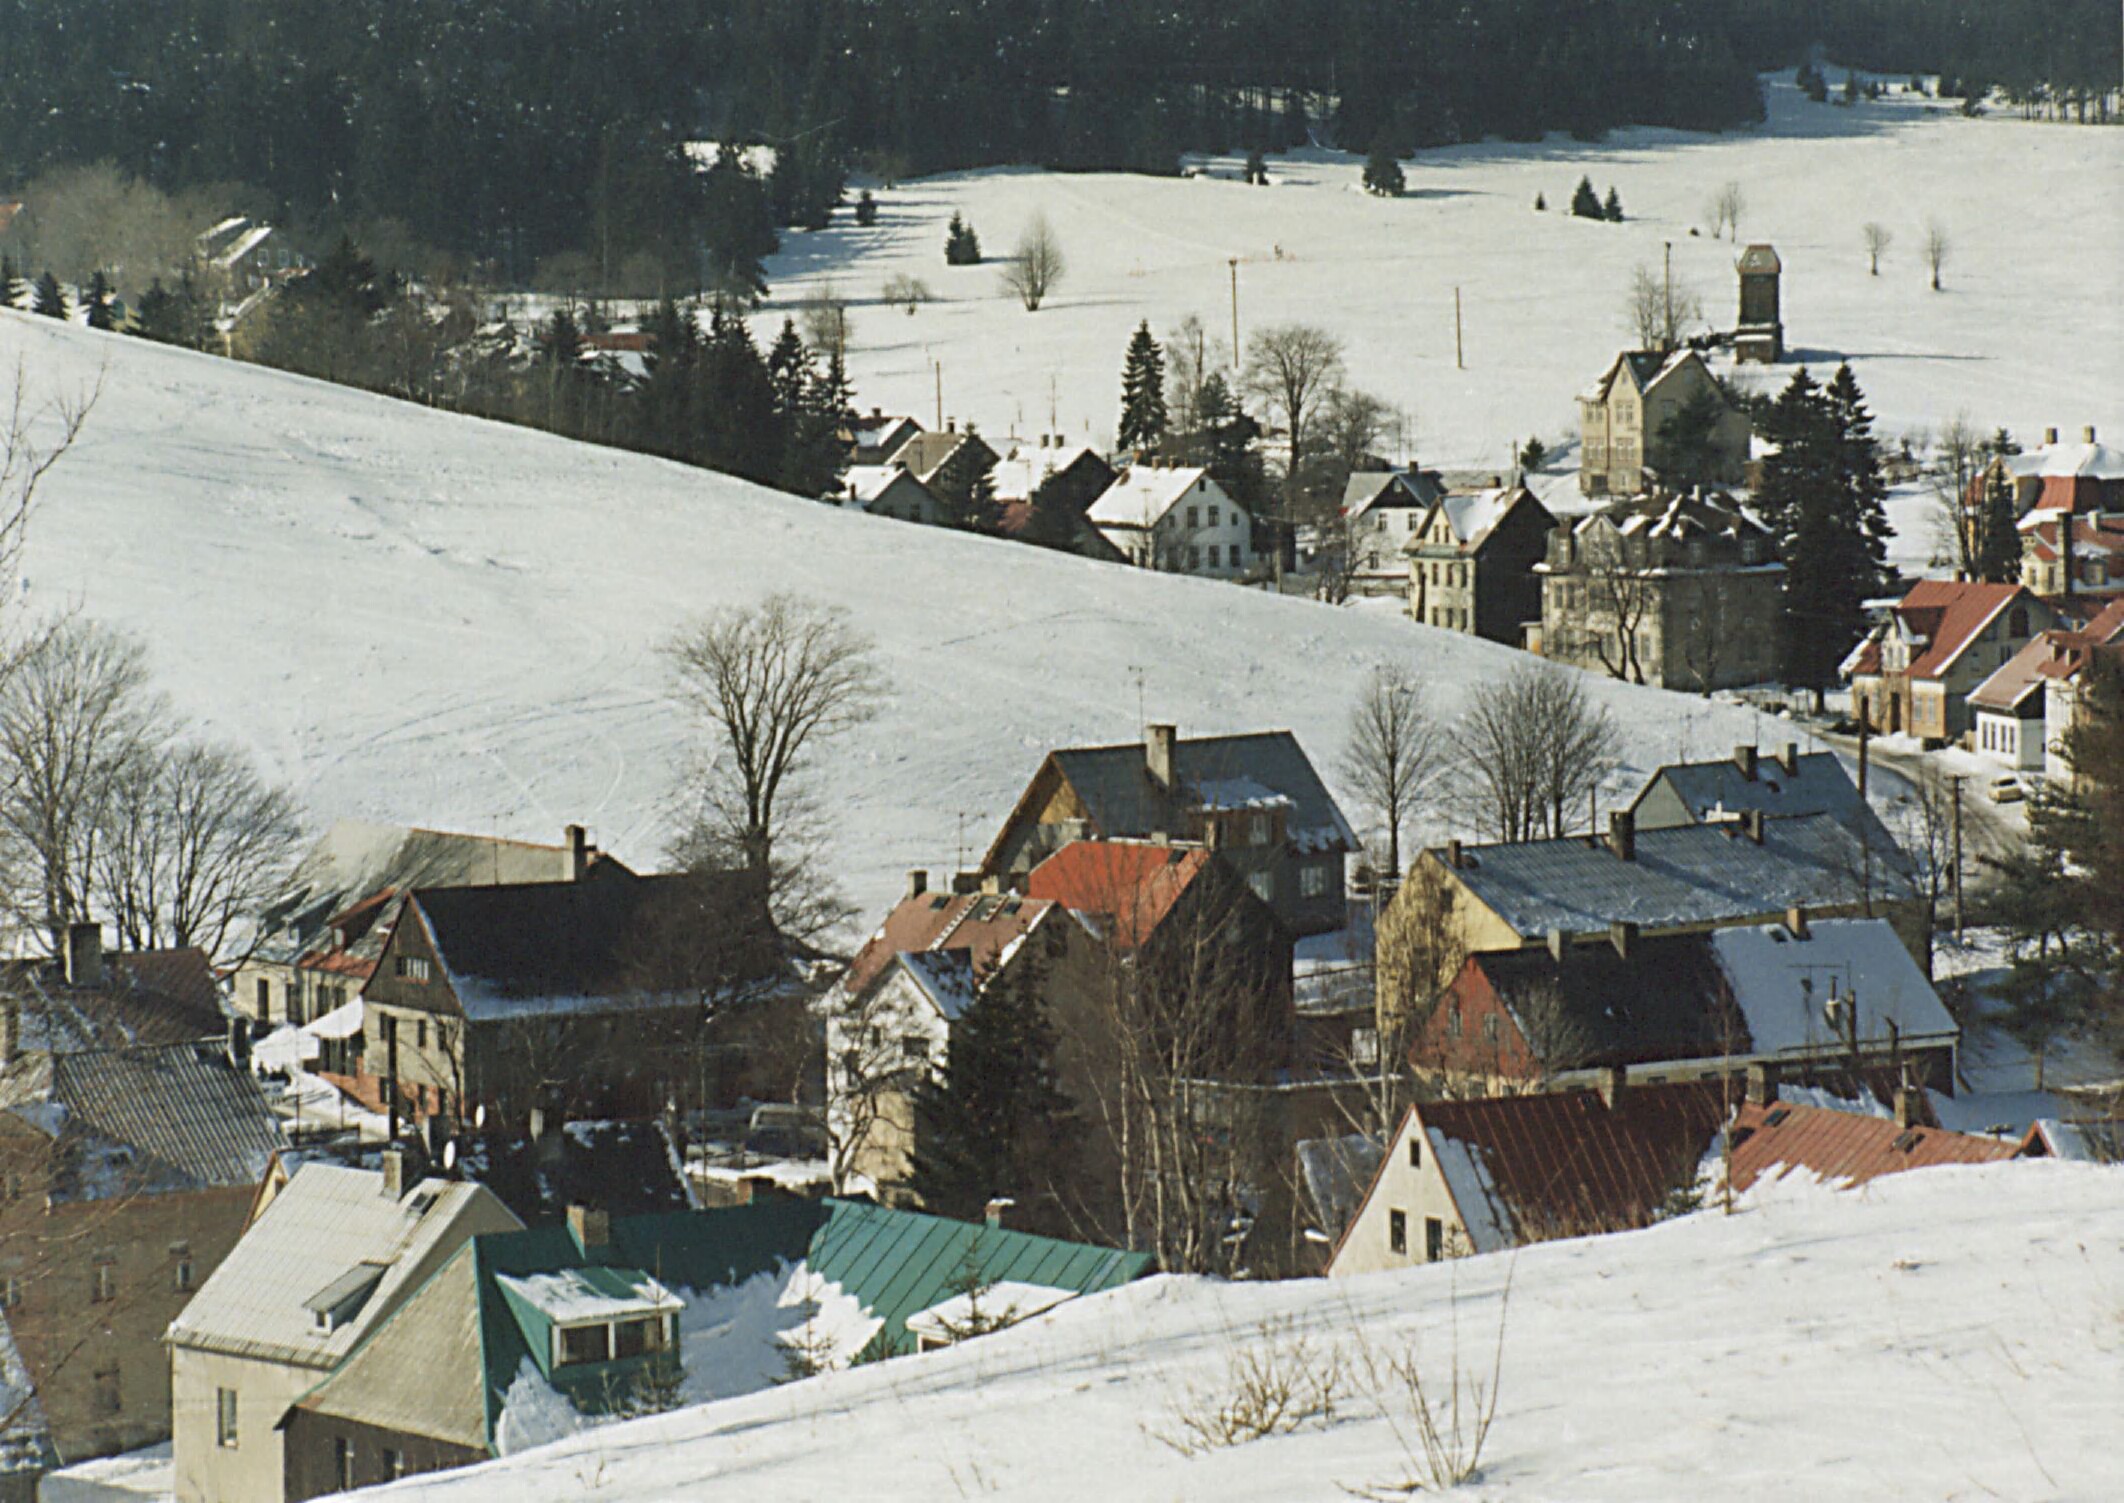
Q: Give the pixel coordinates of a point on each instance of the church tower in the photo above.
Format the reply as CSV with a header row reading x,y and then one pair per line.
x,y
1760,338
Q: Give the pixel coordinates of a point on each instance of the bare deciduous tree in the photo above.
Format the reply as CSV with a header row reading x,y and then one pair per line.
x,y
1878,239
34,438
1660,309
772,683
1392,753
827,328
1532,747
1418,951
1934,249
1725,210
1036,266
1291,369
904,291
194,841
1959,456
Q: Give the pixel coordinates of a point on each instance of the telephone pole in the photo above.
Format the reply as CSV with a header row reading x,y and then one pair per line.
x,y
1956,780
1459,364
938,367
1234,264
1667,284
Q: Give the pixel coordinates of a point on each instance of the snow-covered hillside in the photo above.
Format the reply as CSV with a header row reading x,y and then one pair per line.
x,y
2029,331
1949,1333
424,618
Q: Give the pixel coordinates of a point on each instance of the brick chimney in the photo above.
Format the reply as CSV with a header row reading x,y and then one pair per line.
x,y
2050,435
590,1228
2087,434
1158,741
1454,854
1906,1109
394,1172
1744,759
917,883
577,841
1559,945
1789,759
1622,834
1751,823
994,1212
1796,920
1623,935
1609,1080
84,954
1762,1084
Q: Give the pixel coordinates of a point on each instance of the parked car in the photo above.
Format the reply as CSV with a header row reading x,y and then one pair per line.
x,y
785,1132
2006,791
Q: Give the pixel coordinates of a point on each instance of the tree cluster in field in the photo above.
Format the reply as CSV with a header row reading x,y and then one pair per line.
x,y
1587,204
962,247
1382,171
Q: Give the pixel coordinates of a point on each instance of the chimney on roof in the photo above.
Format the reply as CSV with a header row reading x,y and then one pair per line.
x,y
2087,435
993,1212
1453,854
1751,823
1622,834
577,841
2050,435
537,1126
1762,1084
1623,935
992,885
1744,759
394,1172
1789,759
84,954
240,1042
1796,920
1609,1080
917,883
1559,945
590,1228
951,425
1906,1108
1158,741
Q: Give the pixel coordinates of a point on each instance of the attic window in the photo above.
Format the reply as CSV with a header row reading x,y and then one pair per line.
x,y
1777,1117
941,900
1908,1141
340,1301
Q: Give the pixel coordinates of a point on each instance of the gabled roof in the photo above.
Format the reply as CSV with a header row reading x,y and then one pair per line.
x,y
150,1120
1781,982
1816,783
1399,490
1663,1003
537,947
1122,802
1528,1168
926,453
1024,471
1144,493
1942,616
324,1222
1848,1148
865,484
946,977
1759,258
2093,537
984,927
144,997
1130,886
1645,369
2051,657
1707,515
1683,876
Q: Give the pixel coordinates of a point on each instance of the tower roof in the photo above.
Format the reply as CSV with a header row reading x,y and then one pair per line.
x,y
1760,258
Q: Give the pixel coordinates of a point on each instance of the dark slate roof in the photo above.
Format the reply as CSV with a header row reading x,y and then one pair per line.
x,y
1123,803
1687,875
1818,785
1666,1002
605,937
150,1120
145,997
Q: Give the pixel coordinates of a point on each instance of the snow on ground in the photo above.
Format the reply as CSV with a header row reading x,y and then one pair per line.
x,y
144,1476
420,618
2029,331
1948,1333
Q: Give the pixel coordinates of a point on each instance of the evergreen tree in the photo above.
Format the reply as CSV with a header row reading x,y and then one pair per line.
x,y
994,1121
1998,557
1541,204
50,298
737,402
11,286
172,317
962,247
1533,454
1229,444
1688,443
1585,203
966,485
737,228
1256,167
1143,415
98,299
1612,209
1382,171
866,209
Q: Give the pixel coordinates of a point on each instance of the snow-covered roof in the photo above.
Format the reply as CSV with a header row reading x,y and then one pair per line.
x,y
998,1305
2087,460
1782,982
1144,493
574,1296
866,482
1225,794
1023,471
946,977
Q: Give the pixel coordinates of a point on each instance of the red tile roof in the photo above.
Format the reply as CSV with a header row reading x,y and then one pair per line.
x,y
1130,884
1847,1147
2102,534
1945,615
985,924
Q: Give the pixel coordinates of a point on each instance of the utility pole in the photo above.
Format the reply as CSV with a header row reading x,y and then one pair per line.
x,y
1459,364
1956,781
938,367
1667,282
1234,263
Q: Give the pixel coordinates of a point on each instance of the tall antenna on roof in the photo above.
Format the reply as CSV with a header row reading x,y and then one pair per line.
x,y
1142,715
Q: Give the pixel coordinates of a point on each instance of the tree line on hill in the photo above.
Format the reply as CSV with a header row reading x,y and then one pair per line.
x,y
513,135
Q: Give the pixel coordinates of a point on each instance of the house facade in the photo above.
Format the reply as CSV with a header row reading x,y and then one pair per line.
x,y
1780,786
2094,565
889,490
2022,712
1176,519
1470,562
1680,591
1381,511
1914,671
1256,800
1623,415
2058,476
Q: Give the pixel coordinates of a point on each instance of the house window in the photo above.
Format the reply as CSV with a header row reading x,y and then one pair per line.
x,y
1264,886
420,1034
109,1400
1493,1029
635,1338
1194,518
343,1462
1397,1231
1213,520
225,1417
394,1465
2017,625
1364,1045
584,1344
1194,557
1453,1021
915,1047
1312,880
265,999
1415,1151
10,1292
181,1267
1257,830
103,1279
1215,556
1433,1239
413,967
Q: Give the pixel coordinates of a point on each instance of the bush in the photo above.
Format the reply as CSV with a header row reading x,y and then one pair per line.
x,y
962,247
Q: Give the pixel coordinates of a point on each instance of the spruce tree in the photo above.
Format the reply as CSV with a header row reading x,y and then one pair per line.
x,y
1998,558
866,209
1143,414
50,298
11,285
1541,204
1382,171
1612,209
1256,167
962,247
1585,203
994,1121
99,301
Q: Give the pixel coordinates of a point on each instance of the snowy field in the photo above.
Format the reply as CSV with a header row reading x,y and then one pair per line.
x,y
416,617
1944,1334
2028,333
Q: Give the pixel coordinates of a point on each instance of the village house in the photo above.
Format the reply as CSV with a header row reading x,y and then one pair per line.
x,y
2093,566
1773,1139
1680,591
2058,478
888,490
1380,513
2022,711
320,1268
1822,1000
926,454
131,1138
1176,519
1913,672
875,439
1465,1177
1067,476
1254,799
1470,562
318,941
1791,783
1624,417
590,997
523,1337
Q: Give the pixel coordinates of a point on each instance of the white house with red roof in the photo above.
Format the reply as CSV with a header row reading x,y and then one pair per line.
x,y
1914,672
1177,519
2094,565
2021,712
2079,477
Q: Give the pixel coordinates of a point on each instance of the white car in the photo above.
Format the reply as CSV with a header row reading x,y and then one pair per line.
x,y
2007,791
